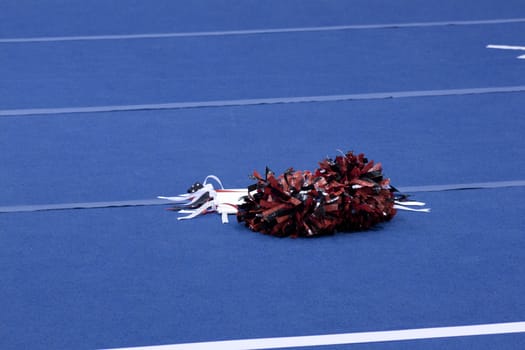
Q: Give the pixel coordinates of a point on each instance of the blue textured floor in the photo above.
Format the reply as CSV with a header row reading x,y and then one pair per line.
x,y
62,74
118,156
135,276
26,18
115,277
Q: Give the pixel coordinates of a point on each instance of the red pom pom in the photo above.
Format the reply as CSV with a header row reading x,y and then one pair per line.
x,y
342,195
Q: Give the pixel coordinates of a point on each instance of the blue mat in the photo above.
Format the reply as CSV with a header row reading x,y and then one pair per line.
x,y
123,277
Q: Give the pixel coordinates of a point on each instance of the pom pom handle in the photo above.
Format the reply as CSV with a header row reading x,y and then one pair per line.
x,y
204,198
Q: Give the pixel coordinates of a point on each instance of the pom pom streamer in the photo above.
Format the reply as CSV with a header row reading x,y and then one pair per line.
x,y
345,194
204,198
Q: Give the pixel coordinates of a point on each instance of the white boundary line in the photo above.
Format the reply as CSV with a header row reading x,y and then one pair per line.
x,y
149,202
260,101
256,31
507,47
346,338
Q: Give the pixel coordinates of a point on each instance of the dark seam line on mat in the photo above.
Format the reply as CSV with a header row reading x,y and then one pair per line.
x,y
151,202
455,187
258,31
85,205
259,101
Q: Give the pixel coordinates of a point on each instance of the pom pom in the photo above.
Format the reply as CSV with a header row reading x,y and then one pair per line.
x,y
342,195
